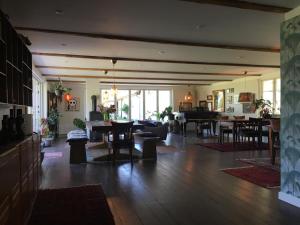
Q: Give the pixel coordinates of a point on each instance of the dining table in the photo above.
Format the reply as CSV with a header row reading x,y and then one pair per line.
x,y
234,123
106,126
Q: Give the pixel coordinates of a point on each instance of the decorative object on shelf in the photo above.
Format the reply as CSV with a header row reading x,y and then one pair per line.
x,y
219,101
79,123
209,97
188,97
73,104
114,90
264,108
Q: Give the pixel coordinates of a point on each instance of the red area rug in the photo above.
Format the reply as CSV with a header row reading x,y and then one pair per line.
x,y
84,205
262,176
229,147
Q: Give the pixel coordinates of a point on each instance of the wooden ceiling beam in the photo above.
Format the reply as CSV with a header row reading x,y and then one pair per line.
x,y
152,40
140,83
244,5
154,60
132,78
143,71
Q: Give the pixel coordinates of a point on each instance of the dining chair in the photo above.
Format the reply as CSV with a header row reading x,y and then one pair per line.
x,y
250,129
204,125
275,127
225,129
121,138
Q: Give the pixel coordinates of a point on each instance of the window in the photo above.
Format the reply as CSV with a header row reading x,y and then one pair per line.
x,y
151,104
36,104
271,92
137,104
123,105
107,99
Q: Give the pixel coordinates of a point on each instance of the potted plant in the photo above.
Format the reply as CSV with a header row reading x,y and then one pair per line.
x,y
167,112
59,89
125,109
264,108
47,135
53,120
79,123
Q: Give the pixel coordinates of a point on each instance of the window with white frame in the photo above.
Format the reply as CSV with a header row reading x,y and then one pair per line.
x,y
36,103
137,104
271,91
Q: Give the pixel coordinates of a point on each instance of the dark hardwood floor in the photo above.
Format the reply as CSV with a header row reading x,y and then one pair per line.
x,y
184,187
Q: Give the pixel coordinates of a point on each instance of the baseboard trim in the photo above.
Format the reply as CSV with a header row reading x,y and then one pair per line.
x,y
289,199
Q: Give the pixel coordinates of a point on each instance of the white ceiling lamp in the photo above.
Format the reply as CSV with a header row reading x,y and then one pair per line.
x,y
114,89
245,97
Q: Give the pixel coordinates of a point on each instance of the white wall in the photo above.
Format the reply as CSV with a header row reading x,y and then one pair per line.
x,y
67,117
92,88
249,84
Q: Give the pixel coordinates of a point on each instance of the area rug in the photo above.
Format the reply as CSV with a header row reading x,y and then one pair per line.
x,y
265,162
85,205
229,147
259,175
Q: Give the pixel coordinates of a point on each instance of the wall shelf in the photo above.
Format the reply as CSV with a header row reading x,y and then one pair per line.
x,y
15,67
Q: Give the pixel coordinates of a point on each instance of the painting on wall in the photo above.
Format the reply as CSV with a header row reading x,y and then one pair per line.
x,y
290,111
73,104
219,101
248,108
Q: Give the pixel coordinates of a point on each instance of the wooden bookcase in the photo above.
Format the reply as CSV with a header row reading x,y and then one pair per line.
x,y
15,66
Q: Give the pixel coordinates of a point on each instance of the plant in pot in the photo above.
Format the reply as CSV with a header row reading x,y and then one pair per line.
x,y
47,135
79,123
167,112
59,89
125,109
264,107
53,120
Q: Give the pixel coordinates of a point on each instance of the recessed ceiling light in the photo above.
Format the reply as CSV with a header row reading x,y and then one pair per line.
x,y
59,12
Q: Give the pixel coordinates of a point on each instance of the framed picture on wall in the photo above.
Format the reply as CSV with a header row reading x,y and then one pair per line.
x,y
219,100
203,104
185,106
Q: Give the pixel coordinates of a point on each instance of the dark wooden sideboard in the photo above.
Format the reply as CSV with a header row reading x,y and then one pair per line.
x,y
19,180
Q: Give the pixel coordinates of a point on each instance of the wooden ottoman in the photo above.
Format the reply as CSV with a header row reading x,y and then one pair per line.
x,y
77,140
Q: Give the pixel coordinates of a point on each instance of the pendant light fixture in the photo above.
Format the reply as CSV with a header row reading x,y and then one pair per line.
x,y
188,97
114,89
245,97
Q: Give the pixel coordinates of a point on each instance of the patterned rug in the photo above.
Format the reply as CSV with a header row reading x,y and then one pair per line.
x,y
85,205
229,147
262,176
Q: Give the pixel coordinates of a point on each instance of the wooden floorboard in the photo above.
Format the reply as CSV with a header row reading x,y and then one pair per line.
x,y
182,188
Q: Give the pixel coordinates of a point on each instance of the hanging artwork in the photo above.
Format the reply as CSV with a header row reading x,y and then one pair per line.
x,y
73,104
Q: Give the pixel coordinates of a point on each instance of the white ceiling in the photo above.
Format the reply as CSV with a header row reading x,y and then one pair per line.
x,y
163,19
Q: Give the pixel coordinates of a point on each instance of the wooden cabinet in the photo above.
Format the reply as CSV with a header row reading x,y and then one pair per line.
x,y
19,179
15,66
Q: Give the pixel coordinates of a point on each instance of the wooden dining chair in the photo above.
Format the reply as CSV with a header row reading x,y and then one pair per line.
x,y
275,127
250,130
225,129
121,138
